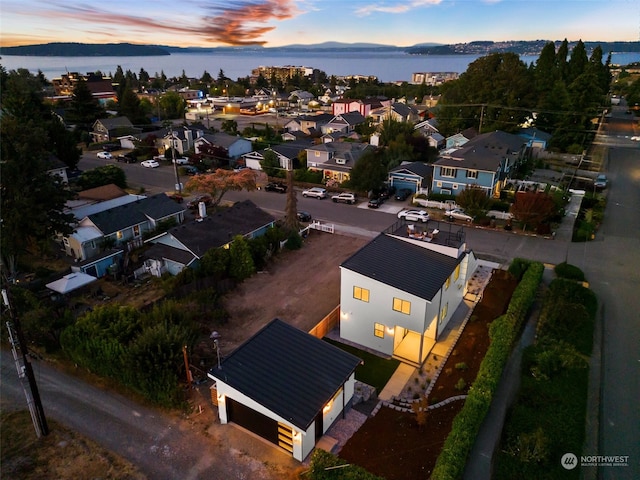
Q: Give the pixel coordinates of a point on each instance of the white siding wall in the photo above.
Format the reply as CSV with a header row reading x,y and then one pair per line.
x,y
358,318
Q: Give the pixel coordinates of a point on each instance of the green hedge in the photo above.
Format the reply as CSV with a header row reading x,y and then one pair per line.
x,y
568,271
503,332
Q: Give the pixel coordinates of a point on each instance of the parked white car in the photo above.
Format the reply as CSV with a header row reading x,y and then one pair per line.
x,y
150,164
181,161
414,215
316,192
105,155
458,214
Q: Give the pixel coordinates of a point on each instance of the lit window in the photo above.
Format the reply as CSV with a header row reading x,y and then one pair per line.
x,y
360,293
119,235
136,230
456,273
402,306
443,312
317,154
447,283
378,330
447,172
472,174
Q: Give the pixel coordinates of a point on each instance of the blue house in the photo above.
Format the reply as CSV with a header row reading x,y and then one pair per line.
x,y
535,138
485,162
415,176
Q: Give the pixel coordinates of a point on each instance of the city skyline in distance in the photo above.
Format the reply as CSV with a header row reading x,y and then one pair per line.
x,y
276,23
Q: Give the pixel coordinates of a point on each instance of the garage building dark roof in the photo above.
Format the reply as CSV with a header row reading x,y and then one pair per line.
x,y
288,371
403,265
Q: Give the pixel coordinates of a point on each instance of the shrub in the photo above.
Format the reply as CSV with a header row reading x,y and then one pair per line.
x,y
321,463
461,384
568,271
462,366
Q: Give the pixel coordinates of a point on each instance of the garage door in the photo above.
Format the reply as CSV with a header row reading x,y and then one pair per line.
x,y
258,423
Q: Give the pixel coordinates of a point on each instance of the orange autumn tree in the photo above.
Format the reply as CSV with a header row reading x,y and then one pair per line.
x,y
220,182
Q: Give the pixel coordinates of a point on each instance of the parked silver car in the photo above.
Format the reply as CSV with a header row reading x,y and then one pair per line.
x,y
316,192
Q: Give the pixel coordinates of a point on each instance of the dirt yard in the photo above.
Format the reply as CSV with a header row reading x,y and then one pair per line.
x,y
300,287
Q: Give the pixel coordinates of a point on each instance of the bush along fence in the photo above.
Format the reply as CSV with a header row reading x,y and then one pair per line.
x,y
503,333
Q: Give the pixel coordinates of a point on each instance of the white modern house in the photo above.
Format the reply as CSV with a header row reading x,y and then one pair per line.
x,y
398,292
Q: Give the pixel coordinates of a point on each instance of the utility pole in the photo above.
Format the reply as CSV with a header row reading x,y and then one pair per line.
x,y
23,365
173,160
481,118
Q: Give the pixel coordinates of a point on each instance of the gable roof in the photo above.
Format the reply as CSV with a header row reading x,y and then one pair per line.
x,y
219,229
104,192
422,169
156,207
115,122
350,118
288,371
220,139
403,265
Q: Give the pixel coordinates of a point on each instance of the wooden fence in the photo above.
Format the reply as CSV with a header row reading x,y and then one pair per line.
x,y
327,324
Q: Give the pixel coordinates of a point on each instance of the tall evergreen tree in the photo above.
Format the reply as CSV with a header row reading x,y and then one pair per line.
x,y
83,109
577,63
32,201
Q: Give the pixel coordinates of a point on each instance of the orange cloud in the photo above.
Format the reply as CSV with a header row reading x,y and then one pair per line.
x,y
234,22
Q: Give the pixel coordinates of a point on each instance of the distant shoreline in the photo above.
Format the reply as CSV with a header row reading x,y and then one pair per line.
x,y
534,47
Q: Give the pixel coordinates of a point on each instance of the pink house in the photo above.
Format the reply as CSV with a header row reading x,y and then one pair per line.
x,y
364,107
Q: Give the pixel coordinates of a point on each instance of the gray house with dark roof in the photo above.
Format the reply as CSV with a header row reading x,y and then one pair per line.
x,y
286,386
184,245
397,293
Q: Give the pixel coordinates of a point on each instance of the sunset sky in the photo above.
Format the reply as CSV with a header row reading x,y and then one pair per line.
x,y
274,23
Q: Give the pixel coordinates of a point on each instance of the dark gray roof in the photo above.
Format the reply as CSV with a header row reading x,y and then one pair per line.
x,y
422,169
156,207
403,265
219,228
288,371
292,149
161,251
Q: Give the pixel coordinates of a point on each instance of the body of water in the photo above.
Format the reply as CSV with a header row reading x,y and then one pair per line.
x,y
386,66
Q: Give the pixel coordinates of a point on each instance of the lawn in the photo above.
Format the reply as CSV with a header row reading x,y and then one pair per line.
x,y
376,370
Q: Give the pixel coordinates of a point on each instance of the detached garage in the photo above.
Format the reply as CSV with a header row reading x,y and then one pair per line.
x,y
285,385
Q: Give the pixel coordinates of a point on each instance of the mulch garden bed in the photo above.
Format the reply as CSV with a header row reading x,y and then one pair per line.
x,y
391,444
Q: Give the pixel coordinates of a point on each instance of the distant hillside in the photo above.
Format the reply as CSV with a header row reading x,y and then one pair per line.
x,y
85,50
521,47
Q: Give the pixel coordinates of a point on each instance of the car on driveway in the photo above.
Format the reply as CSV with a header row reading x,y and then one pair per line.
x,y
181,161
303,216
316,192
403,194
458,214
105,155
375,202
601,181
349,198
276,187
150,164
414,215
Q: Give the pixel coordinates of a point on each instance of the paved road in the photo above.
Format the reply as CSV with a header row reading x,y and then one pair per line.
x,y
163,447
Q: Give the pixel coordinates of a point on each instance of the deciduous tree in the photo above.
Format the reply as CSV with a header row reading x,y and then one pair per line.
x,y
222,181
533,208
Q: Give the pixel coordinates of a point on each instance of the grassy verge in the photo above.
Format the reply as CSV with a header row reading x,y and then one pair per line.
x,y
376,370
63,454
548,418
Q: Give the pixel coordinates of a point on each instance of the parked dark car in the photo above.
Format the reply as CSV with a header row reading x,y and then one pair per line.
x,y
403,194
189,170
275,187
375,202
193,204
304,216
385,192
110,147
126,158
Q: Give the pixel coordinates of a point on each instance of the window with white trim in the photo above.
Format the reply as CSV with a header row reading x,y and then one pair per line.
x,y
472,173
448,172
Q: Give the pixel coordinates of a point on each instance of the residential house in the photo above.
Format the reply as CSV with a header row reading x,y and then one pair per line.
x,y
400,112
182,139
294,136
121,227
57,168
101,87
287,154
286,386
340,136
484,162
459,139
99,199
184,245
535,138
428,128
398,292
345,122
135,141
309,124
335,159
415,176
364,107
234,146
301,99
108,129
